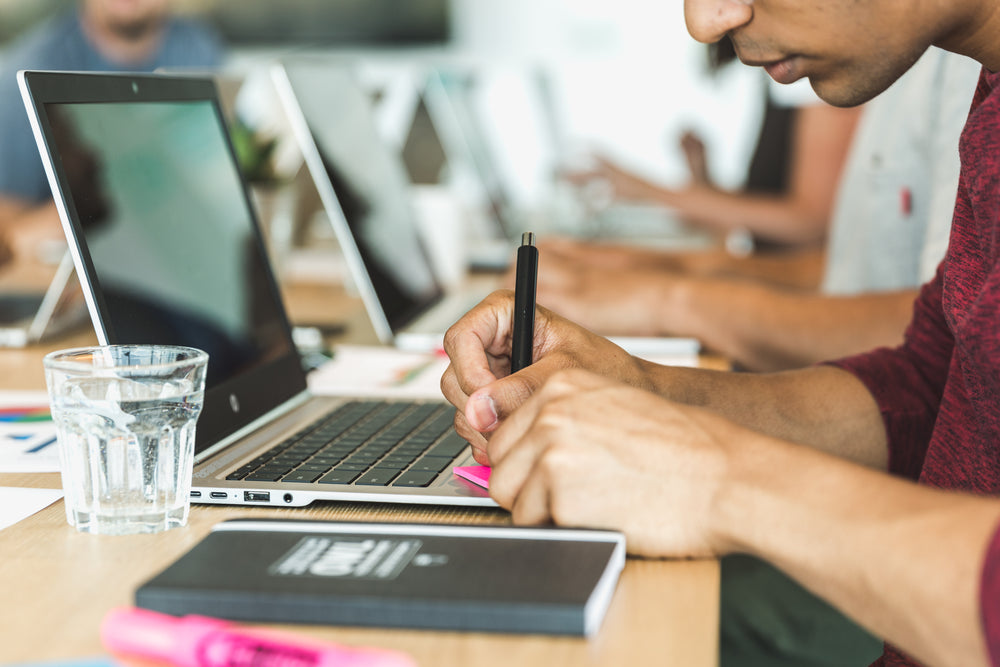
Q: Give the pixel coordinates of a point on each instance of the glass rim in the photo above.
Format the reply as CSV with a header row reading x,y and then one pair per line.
x,y
56,360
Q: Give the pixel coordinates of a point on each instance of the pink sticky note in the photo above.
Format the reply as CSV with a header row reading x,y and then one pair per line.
x,y
476,474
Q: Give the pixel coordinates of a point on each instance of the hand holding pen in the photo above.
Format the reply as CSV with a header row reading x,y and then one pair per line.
x,y
500,333
522,334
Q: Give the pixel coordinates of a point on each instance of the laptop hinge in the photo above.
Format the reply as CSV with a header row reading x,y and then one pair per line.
x,y
269,417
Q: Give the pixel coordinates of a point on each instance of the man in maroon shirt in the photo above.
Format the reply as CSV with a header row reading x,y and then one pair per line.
x,y
874,481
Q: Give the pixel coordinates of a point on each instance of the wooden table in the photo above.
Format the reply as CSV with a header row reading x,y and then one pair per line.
x,y
57,584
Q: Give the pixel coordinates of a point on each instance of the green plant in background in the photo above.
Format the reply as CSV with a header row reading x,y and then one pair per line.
x,y
254,152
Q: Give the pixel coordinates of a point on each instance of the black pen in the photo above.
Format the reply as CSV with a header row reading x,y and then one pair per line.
x,y
525,278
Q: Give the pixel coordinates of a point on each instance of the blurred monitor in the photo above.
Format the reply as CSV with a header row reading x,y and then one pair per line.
x,y
401,115
449,98
331,22
423,155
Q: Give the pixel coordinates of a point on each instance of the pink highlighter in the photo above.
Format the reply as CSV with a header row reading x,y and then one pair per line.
x,y
200,641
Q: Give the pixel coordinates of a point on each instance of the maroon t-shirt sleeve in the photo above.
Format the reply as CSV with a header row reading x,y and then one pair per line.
x,y
907,382
989,599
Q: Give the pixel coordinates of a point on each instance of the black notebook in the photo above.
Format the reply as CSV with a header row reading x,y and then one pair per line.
x,y
480,578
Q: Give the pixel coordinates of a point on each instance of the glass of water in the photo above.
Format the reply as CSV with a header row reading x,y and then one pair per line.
x,y
125,416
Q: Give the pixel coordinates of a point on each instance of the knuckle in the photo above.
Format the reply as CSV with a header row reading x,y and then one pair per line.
x,y
451,336
448,380
454,335
522,515
465,431
553,466
560,382
563,510
500,493
501,295
500,300
568,379
552,419
556,460
557,417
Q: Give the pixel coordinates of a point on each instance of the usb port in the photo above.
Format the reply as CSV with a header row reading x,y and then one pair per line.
x,y
196,494
219,494
257,496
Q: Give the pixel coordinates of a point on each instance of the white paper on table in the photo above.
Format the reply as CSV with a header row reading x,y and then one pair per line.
x,y
27,446
358,370
666,351
688,361
17,504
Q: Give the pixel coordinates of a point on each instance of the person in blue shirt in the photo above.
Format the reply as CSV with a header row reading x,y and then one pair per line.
x,y
97,35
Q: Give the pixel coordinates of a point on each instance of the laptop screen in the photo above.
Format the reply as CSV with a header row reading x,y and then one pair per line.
x,y
370,185
162,219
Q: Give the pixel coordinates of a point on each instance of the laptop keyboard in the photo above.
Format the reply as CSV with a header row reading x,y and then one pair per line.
x,y
370,443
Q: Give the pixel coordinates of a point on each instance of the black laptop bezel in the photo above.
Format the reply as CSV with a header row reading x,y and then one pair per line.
x,y
233,404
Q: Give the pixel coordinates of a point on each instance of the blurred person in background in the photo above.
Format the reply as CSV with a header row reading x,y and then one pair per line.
x,y
98,35
791,180
889,231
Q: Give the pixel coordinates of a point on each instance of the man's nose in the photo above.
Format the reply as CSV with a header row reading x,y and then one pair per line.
x,y
709,20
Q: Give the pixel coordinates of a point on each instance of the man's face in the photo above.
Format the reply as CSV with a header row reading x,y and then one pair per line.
x,y
129,19
851,50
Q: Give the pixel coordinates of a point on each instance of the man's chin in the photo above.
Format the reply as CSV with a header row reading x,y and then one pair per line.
x,y
842,95
851,85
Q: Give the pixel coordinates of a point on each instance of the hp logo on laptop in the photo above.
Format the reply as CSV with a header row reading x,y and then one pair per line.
x,y
234,403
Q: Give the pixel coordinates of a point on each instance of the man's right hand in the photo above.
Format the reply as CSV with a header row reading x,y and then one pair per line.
x,y
26,229
478,380
623,184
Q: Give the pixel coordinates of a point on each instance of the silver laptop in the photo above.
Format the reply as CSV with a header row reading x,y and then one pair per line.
x,y
364,190
28,317
169,251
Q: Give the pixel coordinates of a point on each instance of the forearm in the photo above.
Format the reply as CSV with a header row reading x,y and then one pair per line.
x,y
801,268
767,328
775,217
903,560
822,407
